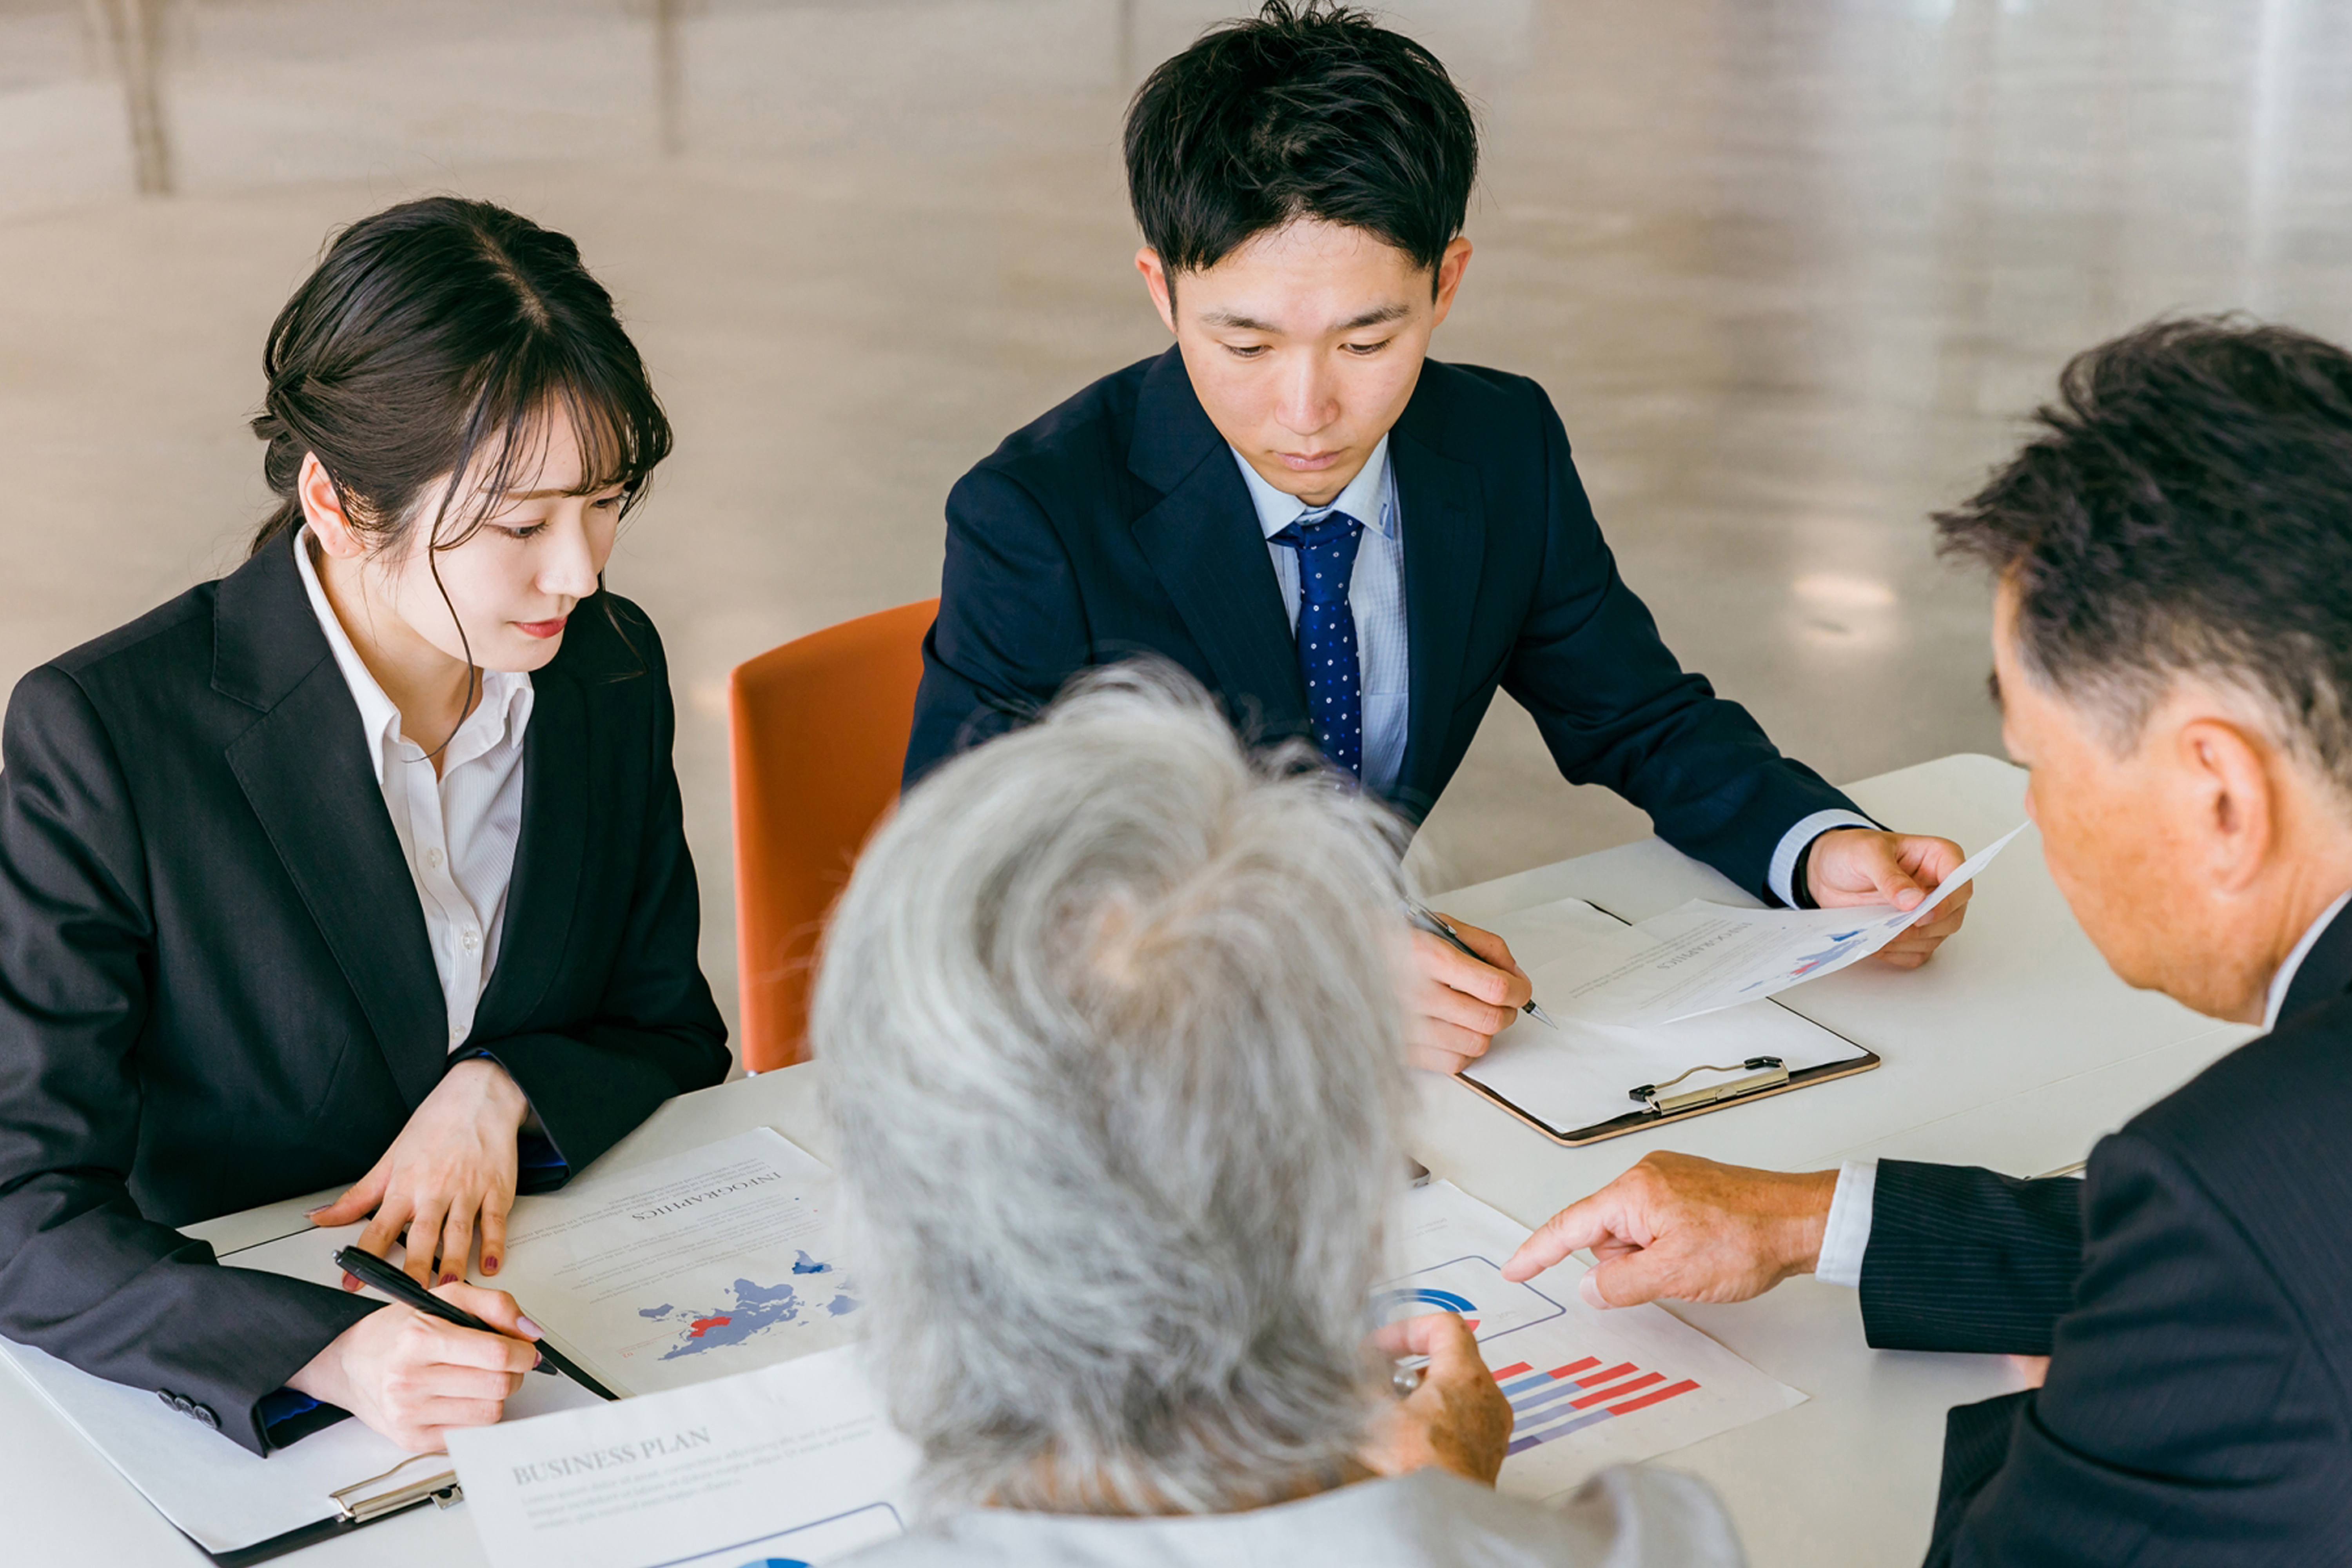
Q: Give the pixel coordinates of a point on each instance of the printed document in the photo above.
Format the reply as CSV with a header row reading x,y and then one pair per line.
x,y
1704,957
1588,1389
709,1263
794,1464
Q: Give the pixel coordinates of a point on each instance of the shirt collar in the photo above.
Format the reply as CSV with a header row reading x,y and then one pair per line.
x,y
2284,979
502,689
1369,498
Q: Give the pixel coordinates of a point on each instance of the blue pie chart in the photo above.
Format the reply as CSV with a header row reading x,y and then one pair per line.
x,y
1444,1301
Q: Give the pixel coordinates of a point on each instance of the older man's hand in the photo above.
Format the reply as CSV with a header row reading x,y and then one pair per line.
x,y
1850,865
1458,1419
1678,1227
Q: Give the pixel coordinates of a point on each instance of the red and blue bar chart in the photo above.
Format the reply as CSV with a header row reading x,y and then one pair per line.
x,y
1547,1406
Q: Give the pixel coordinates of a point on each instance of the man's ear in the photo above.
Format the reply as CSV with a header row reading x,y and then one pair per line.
x,y
1163,287
2234,788
322,509
1450,268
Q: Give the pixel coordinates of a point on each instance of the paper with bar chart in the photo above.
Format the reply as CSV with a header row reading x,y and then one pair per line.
x,y
1588,1389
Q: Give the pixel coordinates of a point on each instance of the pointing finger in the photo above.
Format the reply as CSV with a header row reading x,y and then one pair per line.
x,y
1580,1225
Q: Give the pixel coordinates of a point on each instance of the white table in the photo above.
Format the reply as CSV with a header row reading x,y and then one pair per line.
x,y
2015,1048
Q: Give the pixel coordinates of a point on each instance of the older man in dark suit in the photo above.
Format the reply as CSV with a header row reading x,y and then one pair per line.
x,y
2173,648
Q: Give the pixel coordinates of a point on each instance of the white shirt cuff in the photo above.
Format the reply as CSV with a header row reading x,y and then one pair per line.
x,y
1782,878
1847,1234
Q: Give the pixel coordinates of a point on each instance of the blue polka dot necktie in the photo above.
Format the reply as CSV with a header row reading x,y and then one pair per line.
x,y
1326,634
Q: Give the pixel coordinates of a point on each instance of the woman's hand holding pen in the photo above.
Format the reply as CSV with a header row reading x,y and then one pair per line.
x,y
1458,1005
452,1165
412,1377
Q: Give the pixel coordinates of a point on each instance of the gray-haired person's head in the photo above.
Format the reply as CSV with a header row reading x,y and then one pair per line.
x,y
1110,1023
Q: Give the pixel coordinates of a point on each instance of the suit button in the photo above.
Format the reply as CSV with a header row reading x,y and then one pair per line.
x,y
184,1404
164,1394
204,1413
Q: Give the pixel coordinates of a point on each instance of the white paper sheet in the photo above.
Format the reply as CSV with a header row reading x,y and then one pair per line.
x,y
1704,957
221,1496
1588,1388
716,1261
793,1464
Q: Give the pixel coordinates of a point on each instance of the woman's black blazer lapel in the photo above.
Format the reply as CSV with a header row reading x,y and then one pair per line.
x,y
304,768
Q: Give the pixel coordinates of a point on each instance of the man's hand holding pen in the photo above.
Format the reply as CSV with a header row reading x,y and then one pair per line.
x,y
1458,1002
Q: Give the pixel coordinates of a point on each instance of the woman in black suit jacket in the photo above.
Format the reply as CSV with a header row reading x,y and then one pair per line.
x,y
362,865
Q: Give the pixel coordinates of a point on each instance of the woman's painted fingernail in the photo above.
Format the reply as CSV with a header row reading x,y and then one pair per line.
x,y
527,1327
448,1279
490,1265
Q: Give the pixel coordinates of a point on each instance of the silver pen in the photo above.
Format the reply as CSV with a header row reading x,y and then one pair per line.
x,y
1436,925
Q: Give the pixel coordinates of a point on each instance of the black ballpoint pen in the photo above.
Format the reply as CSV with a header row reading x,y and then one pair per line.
x,y
377,1274
1436,925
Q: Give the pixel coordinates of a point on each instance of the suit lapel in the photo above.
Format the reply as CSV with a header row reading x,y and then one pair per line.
x,y
305,773
304,768
1444,534
1204,546
556,762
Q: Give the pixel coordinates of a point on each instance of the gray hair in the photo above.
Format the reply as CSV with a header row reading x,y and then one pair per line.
x,y
1110,1021
2186,512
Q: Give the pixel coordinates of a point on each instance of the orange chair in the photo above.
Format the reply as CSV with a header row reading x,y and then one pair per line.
x,y
818,731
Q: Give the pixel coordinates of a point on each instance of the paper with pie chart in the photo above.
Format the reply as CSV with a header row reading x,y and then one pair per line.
x,y
1588,1389
718,1261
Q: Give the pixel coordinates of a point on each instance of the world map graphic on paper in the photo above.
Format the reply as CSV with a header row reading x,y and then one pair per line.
x,y
817,1292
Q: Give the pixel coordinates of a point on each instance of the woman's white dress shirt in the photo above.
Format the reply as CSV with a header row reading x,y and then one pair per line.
x,y
458,831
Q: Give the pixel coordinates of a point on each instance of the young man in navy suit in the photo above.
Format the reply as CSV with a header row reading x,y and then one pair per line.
x,y
1347,539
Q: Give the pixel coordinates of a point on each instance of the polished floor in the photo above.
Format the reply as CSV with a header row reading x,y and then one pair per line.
x,y
1792,272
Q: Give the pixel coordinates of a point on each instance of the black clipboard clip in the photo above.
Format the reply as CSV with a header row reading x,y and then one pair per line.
x,y
1764,1074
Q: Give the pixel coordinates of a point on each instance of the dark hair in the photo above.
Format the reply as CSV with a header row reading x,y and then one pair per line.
x,y
432,331
2187,511
1303,111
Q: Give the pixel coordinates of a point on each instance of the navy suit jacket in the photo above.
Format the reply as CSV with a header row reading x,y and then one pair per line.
x,y
1119,525
216,984
2194,1294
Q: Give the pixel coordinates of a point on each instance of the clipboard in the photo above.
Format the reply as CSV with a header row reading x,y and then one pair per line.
x,y
1727,1073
